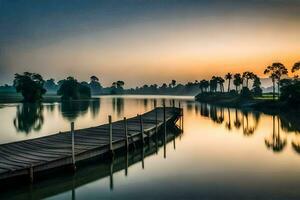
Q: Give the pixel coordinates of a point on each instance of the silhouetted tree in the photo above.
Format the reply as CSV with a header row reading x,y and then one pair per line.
x,y
117,87
221,83
213,83
228,77
290,92
30,85
237,81
70,89
50,85
275,71
95,86
248,76
295,68
256,89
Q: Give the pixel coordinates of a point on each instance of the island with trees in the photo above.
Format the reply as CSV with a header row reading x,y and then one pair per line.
x,y
247,90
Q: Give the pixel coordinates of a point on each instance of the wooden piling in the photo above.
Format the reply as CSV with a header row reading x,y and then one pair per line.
x,y
110,135
126,133
165,124
73,145
142,129
30,173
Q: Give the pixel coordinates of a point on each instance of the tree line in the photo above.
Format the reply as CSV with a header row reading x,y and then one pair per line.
x,y
32,86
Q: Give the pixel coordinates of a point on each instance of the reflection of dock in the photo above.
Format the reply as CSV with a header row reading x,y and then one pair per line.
x,y
25,158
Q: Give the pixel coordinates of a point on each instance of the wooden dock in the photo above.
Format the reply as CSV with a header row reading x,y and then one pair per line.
x,y
25,158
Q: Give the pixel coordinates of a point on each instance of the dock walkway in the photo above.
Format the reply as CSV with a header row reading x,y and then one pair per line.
x,y
66,148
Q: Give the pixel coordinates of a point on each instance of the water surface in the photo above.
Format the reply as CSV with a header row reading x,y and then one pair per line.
x,y
222,152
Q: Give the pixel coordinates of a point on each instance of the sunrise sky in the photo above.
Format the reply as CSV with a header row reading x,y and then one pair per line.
x,y
146,41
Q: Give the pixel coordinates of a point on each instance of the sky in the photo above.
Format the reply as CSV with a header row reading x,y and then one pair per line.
x,y
146,41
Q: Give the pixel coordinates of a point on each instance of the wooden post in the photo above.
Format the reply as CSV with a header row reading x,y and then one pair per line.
x,y
165,124
126,133
73,145
31,173
142,129
173,103
156,121
110,136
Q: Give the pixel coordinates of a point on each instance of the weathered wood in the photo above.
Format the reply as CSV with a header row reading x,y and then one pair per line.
x,y
65,148
73,144
126,133
142,129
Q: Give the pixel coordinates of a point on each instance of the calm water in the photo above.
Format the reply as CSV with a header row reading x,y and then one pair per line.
x,y
222,153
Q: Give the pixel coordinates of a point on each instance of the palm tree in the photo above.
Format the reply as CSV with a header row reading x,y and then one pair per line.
x,y
221,83
295,68
228,77
213,83
275,71
203,85
248,76
237,81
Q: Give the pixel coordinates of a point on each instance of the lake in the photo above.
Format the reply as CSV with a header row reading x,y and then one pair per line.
x,y
223,153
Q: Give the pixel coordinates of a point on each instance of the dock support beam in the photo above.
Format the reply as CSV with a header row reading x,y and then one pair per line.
x,y
165,124
126,133
31,174
73,146
142,129
111,152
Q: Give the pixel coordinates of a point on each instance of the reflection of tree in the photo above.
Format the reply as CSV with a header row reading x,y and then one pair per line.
x,y
50,107
228,123
237,122
247,129
95,107
72,109
145,103
290,122
29,117
118,105
275,142
296,146
204,110
217,114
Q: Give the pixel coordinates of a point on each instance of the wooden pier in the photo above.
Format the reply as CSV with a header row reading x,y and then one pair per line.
x,y
25,158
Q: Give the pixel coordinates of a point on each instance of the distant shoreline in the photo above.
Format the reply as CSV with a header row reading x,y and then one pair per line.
x,y
265,105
